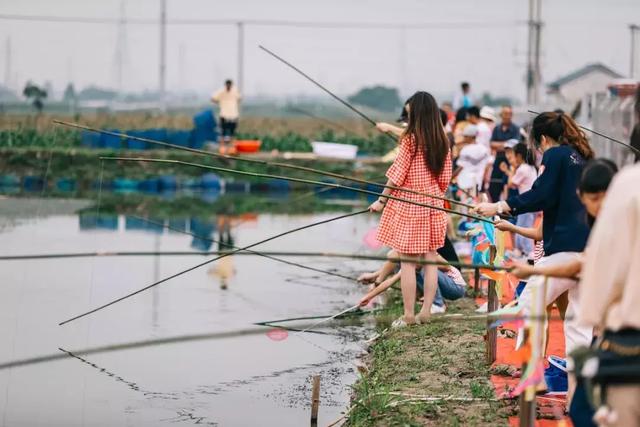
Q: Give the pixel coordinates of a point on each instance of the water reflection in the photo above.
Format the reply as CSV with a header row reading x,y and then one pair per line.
x,y
207,379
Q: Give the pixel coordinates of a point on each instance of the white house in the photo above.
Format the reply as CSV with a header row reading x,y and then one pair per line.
x,y
587,80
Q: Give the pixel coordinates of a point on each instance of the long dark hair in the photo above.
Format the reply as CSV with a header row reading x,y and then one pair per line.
x,y
563,129
427,128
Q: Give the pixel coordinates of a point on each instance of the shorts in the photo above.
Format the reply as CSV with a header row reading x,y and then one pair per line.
x,y
228,127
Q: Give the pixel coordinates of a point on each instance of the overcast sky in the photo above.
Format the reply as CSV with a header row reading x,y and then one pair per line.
x,y
491,57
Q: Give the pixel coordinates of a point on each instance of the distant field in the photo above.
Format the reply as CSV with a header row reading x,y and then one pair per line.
x,y
305,126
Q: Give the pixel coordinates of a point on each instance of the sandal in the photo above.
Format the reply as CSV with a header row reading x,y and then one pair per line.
x,y
400,323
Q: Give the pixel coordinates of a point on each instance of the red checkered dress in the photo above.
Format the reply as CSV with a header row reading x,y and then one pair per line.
x,y
408,228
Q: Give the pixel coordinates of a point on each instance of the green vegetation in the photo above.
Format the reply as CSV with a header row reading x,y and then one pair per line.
x,y
84,165
378,97
436,360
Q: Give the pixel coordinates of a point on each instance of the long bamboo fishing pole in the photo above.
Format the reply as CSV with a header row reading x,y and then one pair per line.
x,y
257,161
129,295
245,252
610,138
333,95
258,330
292,179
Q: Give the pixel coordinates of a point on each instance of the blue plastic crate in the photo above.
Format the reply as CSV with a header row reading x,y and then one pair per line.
x,y
181,138
112,142
90,139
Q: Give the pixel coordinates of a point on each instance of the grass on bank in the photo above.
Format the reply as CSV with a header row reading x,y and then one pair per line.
x,y
442,358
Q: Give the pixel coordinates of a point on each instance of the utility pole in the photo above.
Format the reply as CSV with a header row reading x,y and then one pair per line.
x,y
538,73
121,48
163,52
240,83
7,69
533,51
632,59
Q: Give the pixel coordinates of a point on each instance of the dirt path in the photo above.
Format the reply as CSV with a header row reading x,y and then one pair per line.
x,y
441,359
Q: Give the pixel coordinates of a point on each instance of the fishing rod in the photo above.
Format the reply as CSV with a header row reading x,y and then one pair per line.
x,y
333,95
235,251
262,254
610,138
258,330
292,179
269,254
256,161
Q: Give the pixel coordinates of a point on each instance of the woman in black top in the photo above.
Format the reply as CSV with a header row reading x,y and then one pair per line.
x,y
565,229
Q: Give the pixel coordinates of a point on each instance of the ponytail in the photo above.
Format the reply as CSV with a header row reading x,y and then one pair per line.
x,y
564,130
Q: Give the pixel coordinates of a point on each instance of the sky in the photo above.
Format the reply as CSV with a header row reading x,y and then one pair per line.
x,y
483,42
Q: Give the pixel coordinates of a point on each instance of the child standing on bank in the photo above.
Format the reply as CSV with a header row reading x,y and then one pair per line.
x,y
423,164
522,178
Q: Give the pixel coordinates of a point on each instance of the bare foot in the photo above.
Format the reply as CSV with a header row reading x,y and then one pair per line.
x,y
423,317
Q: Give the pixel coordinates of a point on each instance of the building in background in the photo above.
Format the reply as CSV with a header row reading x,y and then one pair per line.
x,y
589,79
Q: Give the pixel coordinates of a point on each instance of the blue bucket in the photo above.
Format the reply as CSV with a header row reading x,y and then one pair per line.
x,y
168,183
210,181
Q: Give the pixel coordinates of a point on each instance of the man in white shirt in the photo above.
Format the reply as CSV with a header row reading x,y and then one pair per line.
x,y
228,99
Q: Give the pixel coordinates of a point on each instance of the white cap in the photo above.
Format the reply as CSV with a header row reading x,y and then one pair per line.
x,y
470,130
511,143
488,113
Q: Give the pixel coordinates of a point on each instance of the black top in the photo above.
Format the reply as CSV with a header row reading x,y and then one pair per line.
x,y
564,226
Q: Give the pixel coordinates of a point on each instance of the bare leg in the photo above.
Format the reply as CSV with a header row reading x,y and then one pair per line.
x,y
408,287
430,286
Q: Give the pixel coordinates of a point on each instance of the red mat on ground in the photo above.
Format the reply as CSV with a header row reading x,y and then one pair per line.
x,y
552,405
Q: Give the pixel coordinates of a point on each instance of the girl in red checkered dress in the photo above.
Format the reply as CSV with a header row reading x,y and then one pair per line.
x,y
423,164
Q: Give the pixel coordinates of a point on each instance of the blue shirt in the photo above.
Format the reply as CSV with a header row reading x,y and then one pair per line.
x,y
511,132
564,226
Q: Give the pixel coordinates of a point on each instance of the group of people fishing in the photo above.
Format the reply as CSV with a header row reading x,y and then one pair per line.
x,y
586,237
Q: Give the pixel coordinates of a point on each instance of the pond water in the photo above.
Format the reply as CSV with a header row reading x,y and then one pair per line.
x,y
251,379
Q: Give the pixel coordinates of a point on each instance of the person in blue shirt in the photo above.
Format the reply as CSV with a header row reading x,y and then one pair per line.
x,y
565,229
502,133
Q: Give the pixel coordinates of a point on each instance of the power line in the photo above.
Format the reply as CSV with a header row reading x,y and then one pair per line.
x,y
462,25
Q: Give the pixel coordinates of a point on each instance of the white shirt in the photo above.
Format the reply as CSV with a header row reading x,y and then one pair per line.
x,y
524,177
473,160
229,102
609,289
484,134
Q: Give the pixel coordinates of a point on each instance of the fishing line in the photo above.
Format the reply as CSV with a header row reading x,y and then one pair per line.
x,y
301,180
91,283
610,138
333,95
256,161
210,261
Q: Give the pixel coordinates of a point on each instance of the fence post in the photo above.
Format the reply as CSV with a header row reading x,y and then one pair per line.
x,y
492,305
315,400
476,281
